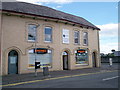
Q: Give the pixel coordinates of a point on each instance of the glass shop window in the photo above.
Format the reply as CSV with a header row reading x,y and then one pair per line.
x,y
44,59
81,56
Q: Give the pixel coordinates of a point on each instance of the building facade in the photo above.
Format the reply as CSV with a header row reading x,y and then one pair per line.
x,y
55,39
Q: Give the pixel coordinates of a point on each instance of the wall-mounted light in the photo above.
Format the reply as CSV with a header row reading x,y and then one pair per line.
x,y
81,26
66,23
73,24
48,46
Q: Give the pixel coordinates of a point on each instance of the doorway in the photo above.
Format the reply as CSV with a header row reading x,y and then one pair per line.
x,y
13,62
94,59
65,60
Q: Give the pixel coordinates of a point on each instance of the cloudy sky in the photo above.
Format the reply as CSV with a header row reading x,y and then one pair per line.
x,y
102,14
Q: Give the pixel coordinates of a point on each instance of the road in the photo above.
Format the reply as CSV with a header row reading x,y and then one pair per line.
x,y
89,80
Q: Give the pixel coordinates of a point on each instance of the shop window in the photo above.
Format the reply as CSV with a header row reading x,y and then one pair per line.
x,y
85,38
81,56
44,59
76,37
32,32
48,34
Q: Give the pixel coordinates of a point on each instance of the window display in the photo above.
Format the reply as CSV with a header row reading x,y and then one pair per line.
x,y
81,56
44,59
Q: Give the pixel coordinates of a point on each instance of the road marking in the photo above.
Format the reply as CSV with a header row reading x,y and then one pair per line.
x,y
110,78
14,84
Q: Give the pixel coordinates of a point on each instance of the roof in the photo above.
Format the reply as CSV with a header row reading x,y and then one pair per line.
x,y
39,10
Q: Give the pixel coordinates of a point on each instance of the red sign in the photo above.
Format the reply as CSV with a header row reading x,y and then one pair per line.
x,y
81,51
40,51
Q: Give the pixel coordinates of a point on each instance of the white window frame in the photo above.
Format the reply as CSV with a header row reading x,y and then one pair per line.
x,y
28,34
31,51
65,36
86,60
85,38
77,37
51,34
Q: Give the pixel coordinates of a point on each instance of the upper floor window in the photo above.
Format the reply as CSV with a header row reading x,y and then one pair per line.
x,y
85,38
76,37
48,34
32,32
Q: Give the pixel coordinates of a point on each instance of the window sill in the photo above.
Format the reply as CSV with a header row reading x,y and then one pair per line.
x,y
48,42
33,68
85,44
81,65
31,41
76,44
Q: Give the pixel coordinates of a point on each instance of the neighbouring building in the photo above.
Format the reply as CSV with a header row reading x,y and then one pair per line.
x,y
116,53
63,41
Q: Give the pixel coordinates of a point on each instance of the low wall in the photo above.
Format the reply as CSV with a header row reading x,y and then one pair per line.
x,y
115,59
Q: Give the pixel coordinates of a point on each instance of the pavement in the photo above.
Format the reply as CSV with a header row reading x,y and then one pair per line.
x,y
17,78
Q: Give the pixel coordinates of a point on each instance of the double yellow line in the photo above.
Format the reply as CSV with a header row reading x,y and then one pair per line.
x,y
14,84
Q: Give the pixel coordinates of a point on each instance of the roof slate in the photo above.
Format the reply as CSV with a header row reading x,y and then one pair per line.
x,y
39,10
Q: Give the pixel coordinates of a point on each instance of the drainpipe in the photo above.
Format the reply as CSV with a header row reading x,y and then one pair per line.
x,y
1,39
99,50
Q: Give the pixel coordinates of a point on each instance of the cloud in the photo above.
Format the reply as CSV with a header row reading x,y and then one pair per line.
x,y
106,48
108,37
47,1
57,7
108,30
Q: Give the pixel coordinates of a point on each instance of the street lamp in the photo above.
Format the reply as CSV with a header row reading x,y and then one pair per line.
x,y
35,50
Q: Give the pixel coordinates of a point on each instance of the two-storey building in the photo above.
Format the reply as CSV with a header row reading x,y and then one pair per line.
x,y
62,41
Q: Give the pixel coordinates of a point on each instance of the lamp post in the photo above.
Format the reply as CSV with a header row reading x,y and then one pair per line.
x,y
35,60
35,50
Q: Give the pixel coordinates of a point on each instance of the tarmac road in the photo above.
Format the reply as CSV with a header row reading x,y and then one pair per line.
x,y
103,77
89,80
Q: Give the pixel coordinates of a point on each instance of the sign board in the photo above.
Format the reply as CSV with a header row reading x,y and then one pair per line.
x,y
65,36
37,65
40,50
81,51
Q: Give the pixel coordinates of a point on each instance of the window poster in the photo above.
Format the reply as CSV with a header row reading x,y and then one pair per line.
x,y
13,60
65,36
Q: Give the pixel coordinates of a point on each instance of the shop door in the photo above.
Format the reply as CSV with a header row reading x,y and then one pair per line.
x,y
94,59
65,61
13,62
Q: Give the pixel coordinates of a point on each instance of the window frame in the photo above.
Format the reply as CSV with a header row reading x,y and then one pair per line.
x,y
31,51
86,58
85,38
51,34
77,37
28,33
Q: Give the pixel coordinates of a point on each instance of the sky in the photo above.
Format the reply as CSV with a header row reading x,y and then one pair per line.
x,y
102,14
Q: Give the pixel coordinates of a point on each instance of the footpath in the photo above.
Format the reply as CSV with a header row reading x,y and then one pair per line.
x,y
17,78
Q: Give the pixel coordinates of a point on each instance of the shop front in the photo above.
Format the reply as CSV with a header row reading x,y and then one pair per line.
x,y
42,55
81,57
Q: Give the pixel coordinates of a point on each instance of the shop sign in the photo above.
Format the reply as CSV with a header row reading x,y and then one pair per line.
x,y
81,51
40,50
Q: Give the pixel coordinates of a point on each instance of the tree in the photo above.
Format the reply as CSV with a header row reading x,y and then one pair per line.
x,y
113,50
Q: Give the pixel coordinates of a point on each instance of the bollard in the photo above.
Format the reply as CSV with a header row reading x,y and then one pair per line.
x,y
110,62
45,71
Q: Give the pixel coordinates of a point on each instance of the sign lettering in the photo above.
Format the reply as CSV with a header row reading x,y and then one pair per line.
x,y
40,50
81,51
